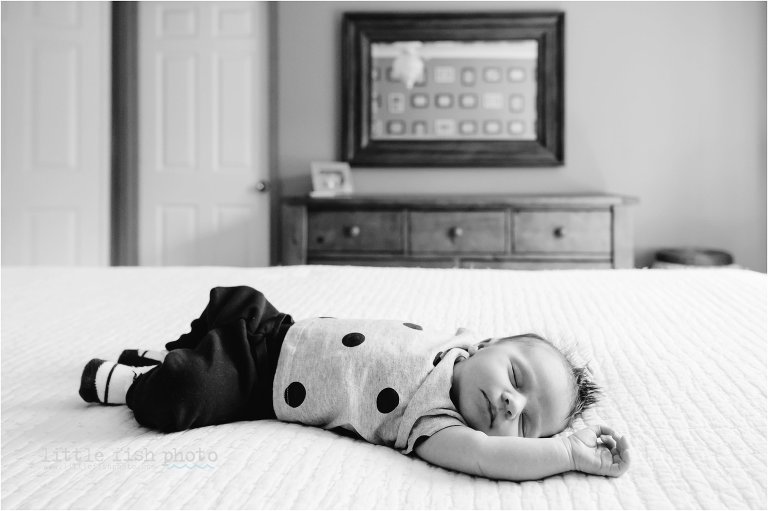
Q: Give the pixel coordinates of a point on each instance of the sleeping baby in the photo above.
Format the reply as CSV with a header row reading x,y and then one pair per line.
x,y
488,408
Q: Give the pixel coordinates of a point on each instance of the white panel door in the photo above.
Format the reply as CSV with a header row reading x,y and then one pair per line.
x,y
55,133
204,121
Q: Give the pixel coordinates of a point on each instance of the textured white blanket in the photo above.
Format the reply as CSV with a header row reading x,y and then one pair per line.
x,y
681,354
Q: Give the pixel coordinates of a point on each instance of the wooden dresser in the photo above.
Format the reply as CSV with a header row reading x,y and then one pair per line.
x,y
511,231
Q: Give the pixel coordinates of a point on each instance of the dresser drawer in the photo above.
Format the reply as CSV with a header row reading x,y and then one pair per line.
x,y
562,231
355,231
472,231
457,231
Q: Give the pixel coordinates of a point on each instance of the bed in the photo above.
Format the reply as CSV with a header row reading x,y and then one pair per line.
x,y
681,355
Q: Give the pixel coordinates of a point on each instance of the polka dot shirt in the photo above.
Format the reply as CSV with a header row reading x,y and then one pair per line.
x,y
386,381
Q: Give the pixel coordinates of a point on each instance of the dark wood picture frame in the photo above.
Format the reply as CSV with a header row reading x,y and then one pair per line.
x,y
361,30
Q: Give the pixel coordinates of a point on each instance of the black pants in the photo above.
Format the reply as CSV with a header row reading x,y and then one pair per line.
x,y
221,371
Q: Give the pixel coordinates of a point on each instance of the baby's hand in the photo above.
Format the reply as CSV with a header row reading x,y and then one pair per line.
x,y
599,450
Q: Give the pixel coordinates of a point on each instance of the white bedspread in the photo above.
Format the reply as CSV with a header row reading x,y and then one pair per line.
x,y
681,354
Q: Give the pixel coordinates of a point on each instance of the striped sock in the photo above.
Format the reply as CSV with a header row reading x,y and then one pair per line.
x,y
108,382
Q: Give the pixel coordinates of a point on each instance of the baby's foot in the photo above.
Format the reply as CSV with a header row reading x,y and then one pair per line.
x,y
108,382
141,358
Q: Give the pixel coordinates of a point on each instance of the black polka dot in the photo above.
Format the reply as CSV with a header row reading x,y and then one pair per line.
x,y
353,339
413,325
387,400
294,394
437,359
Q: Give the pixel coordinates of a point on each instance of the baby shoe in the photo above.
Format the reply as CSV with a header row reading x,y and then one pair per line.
x,y
141,358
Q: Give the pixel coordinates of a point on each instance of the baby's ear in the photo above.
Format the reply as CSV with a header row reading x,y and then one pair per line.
x,y
477,347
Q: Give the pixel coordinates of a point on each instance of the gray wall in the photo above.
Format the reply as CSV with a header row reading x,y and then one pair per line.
x,y
664,101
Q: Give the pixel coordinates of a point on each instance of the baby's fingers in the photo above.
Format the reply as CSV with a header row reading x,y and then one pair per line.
x,y
621,458
609,442
602,429
622,444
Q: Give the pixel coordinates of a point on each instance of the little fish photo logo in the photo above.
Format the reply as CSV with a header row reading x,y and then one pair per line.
x,y
199,459
125,458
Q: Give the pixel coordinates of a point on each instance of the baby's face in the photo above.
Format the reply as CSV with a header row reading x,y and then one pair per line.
x,y
514,388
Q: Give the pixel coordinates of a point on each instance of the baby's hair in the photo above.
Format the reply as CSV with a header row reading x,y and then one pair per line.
x,y
587,391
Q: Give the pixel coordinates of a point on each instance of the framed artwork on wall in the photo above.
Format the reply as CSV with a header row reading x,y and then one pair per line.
x,y
453,89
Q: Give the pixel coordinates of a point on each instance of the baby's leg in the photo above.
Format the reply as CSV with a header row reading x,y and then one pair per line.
x,y
108,382
226,305
211,384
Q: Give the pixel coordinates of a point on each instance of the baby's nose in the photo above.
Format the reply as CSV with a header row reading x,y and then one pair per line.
x,y
512,404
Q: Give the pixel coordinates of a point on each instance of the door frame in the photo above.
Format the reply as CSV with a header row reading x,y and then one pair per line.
x,y
124,187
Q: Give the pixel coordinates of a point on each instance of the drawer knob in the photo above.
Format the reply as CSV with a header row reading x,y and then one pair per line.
x,y
456,232
559,232
353,232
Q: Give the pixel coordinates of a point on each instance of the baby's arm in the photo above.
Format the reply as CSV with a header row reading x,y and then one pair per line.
x,y
497,457
520,459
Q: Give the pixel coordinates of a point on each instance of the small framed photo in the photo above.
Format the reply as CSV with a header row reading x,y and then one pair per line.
x,y
330,179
